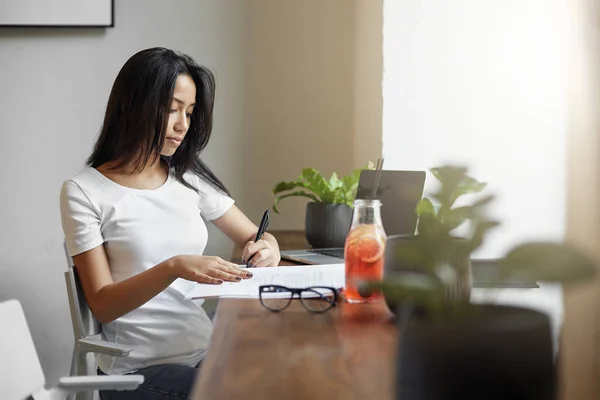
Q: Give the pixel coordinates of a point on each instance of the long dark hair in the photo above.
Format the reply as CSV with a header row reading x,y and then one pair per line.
x,y
136,116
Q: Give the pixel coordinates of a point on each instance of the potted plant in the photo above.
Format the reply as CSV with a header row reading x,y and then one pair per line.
x,y
450,348
438,219
329,214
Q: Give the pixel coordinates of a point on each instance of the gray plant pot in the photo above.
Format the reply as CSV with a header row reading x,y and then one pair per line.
x,y
493,352
459,292
327,225
393,267
393,245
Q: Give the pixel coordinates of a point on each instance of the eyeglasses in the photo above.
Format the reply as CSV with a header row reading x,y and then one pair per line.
x,y
316,299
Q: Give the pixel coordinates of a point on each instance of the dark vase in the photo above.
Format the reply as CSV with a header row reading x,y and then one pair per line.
x,y
392,266
327,225
457,292
490,352
393,245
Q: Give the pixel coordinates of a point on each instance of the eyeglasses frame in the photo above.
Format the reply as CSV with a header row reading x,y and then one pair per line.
x,y
296,292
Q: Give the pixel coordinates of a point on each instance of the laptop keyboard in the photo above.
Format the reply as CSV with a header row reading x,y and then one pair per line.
x,y
337,253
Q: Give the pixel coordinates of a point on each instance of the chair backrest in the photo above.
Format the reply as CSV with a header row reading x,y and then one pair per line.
x,y
21,373
84,322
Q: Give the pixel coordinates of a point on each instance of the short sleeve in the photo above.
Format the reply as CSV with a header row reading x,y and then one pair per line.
x,y
80,220
212,203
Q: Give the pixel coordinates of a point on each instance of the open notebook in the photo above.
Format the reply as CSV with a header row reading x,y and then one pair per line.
x,y
301,276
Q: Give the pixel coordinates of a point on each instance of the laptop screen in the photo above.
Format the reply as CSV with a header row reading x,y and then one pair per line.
x,y
399,193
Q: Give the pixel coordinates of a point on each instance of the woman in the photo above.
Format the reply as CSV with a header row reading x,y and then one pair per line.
x,y
133,223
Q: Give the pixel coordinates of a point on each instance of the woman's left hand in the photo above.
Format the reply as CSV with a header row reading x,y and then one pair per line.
x,y
261,254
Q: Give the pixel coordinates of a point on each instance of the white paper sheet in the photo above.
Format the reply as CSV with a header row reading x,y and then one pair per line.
x,y
293,277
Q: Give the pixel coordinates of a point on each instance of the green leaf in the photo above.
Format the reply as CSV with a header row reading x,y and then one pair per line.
x,y
285,186
336,185
484,201
350,186
317,184
332,191
351,181
425,207
298,193
335,182
450,177
481,226
466,186
453,218
550,262
455,183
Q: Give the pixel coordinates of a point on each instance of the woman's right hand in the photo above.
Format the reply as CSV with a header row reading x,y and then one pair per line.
x,y
208,269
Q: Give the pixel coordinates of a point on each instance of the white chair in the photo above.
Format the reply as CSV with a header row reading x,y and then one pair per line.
x,y
21,374
86,330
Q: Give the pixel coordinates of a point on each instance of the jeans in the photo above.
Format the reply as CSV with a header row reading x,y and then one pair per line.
x,y
161,382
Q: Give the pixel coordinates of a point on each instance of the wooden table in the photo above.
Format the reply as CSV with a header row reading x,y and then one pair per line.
x,y
347,353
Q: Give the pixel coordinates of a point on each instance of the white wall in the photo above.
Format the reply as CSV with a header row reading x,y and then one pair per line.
x,y
482,83
54,84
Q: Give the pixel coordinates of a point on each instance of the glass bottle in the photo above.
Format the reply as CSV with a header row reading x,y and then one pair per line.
x,y
364,250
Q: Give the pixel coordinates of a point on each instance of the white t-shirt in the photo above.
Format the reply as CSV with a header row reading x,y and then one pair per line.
x,y
139,229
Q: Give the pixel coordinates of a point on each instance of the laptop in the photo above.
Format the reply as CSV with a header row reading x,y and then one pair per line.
x,y
399,193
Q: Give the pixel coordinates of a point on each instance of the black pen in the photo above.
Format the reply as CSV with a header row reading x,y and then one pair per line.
x,y
264,222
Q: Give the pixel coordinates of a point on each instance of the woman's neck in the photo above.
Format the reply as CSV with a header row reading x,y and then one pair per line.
x,y
152,176
152,168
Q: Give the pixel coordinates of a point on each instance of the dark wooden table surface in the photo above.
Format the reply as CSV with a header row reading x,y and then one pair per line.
x,y
347,353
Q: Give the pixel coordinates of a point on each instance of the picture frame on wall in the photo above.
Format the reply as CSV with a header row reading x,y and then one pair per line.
x,y
57,13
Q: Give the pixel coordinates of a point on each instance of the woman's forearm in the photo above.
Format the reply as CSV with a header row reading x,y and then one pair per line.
x,y
119,298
